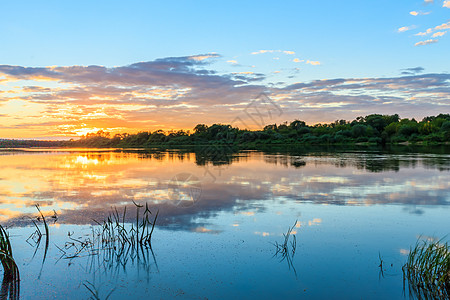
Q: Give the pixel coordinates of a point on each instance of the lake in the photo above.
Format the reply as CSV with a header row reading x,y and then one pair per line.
x,y
221,216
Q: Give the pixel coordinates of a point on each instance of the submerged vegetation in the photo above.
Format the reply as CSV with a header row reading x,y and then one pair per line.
x,y
427,270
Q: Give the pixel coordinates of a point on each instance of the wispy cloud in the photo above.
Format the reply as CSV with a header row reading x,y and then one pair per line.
x,y
428,31
203,56
427,42
288,52
443,26
406,28
311,62
431,30
232,61
418,13
412,71
314,63
439,33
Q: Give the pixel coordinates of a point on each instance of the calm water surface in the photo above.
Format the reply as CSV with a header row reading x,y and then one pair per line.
x,y
220,215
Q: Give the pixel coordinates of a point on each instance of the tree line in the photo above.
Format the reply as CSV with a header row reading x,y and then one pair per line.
x,y
15,143
371,129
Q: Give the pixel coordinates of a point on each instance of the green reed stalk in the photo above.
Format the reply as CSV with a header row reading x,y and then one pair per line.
x,y
427,270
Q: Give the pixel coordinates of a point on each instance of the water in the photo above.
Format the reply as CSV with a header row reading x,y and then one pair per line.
x,y
220,215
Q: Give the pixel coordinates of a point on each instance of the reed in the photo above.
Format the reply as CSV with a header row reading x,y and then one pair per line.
x,y
47,234
283,248
286,249
11,278
427,270
115,238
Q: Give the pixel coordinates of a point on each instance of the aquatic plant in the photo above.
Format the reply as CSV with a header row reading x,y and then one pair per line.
x,y
114,236
283,248
114,243
427,270
286,249
47,234
10,285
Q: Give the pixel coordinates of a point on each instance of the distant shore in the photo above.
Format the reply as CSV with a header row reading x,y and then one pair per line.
x,y
373,129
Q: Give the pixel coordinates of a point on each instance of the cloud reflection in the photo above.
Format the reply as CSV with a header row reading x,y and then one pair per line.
x,y
85,185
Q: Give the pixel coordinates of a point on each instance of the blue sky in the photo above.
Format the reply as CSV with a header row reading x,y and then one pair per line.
x,y
305,41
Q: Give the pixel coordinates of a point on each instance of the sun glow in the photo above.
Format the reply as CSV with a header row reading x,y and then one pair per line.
x,y
84,131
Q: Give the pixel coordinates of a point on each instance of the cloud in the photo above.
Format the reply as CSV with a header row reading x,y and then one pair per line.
x,y
428,31
412,71
328,100
232,61
36,89
446,4
429,1
406,28
427,42
249,76
443,26
288,52
439,33
314,63
418,13
183,71
203,56
262,52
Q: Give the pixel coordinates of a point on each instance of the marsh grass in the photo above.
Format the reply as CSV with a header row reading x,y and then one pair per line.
x,y
11,279
286,249
427,270
115,241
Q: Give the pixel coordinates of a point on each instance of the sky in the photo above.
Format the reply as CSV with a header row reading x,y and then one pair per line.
x,y
70,68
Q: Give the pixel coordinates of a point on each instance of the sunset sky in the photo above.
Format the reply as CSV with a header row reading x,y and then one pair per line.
x,y
69,68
